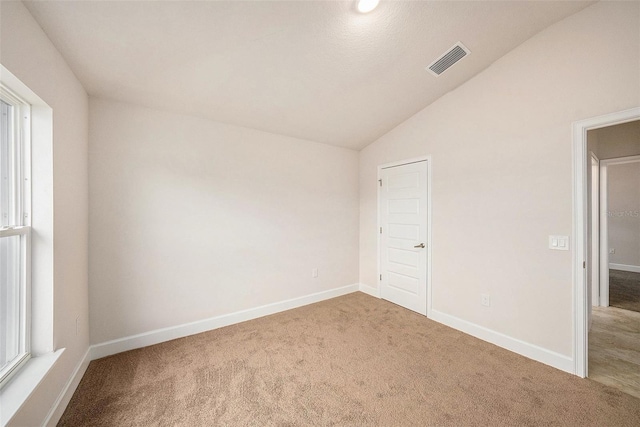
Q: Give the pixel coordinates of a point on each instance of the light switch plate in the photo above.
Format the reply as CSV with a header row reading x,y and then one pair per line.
x,y
559,243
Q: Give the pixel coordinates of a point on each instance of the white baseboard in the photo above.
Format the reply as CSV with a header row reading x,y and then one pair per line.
x,y
624,267
67,392
161,335
370,290
108,348
548,357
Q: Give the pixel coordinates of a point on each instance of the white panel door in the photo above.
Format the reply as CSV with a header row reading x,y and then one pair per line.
x,y
403,242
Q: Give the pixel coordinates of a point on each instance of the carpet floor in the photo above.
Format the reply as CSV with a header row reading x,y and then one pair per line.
x,y
624,290
352,360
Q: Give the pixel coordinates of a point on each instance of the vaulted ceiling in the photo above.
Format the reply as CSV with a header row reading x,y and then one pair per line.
x,y
316,70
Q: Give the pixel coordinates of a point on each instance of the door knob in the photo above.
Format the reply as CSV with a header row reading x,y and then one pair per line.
x,y
421,245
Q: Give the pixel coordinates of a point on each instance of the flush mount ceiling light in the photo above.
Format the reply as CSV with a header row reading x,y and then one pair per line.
x,y
366,6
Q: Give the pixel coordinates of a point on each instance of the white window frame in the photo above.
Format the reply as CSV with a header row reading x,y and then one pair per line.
x,y
20,220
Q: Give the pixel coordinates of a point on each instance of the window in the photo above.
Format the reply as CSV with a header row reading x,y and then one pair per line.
x,y
15,232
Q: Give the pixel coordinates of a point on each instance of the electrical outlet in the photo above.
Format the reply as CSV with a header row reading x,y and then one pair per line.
x,y
486,300
612,251
314,273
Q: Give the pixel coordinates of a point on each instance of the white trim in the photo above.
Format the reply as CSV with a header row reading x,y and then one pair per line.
x,y
429,161
603,300
580,207
59,406
403,162
594,252
41,161
370,290
548,357
621,160
19,149
15,231
429,240
604,222
580,323
166,334
17,391
624,267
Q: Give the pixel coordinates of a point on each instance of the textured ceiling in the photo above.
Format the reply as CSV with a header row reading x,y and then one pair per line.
x,y
313,70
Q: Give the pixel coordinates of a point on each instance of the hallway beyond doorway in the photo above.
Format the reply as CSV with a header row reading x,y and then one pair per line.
x,y
614,349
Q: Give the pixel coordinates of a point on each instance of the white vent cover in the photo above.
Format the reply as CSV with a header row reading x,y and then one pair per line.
x,y
446,60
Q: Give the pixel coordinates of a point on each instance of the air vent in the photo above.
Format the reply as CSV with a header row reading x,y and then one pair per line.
x,y
453,55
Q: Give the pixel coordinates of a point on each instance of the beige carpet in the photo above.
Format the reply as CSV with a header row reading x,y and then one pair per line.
x,y
353,360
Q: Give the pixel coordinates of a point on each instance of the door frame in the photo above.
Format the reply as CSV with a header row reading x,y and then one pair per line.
x,y
604,223
580,232
594,255
429,215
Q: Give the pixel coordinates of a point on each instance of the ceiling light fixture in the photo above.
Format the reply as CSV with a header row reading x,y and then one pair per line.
x,y
366,6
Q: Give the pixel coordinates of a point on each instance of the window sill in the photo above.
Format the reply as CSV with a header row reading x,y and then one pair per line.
x,y
16,392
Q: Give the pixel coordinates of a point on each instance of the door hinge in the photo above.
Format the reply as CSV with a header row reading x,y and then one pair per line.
x,y
381,277
584,264
380,230
380,181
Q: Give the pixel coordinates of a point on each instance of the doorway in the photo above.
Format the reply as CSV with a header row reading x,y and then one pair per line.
x,y
581,231
620,233
607,346
404,233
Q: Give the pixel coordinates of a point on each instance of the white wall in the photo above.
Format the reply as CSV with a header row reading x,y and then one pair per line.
x,y
623,205
502,174
27,52
192,219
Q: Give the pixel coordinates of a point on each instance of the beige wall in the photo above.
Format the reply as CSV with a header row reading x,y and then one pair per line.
x,y
502,175
623,188
27,52
192,219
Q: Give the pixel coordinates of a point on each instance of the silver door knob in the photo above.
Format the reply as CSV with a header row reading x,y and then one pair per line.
x,y
421,245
